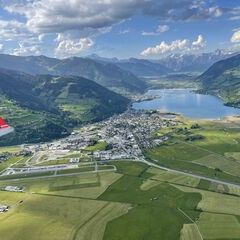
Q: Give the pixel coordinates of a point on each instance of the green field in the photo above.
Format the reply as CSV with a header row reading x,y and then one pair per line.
x,y
12,161
11,149
224,227
57,218
214,154
136,202
220,216
99,146
190,232
153,204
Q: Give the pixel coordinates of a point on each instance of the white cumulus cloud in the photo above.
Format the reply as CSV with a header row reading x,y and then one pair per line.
x,y
236,37
12,30
25,50
199,44
175,46
69,47
160,29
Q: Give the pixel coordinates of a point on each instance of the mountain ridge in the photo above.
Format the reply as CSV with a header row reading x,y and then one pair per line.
x,y
107,75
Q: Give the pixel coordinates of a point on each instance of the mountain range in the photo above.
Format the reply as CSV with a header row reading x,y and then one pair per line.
x,y
169,64
106,74
194,62
138,67
223,80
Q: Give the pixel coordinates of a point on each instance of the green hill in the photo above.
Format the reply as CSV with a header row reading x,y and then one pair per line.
x,y
45,107
223,79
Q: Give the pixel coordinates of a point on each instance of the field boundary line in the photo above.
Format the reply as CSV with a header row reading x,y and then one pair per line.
x,y
180,210
89,219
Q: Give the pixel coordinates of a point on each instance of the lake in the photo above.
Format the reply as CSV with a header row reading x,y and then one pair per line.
x,y
187,103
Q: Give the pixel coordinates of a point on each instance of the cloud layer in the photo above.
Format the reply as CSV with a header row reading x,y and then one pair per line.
x,y
175,46
57,16
78,20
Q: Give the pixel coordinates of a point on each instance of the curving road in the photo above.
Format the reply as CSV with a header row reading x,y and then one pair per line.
x,y
189,174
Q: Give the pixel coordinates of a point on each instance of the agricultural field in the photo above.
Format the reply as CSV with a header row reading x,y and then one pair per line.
x,y
12,161
136,202
50,217
224,227
10,149
190,232
219,218
206,148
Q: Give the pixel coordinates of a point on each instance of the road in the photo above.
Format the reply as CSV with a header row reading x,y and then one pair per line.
x,y
163,168
189,174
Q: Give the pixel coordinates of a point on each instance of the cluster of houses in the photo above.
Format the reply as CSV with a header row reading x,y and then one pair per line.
x,y
126,134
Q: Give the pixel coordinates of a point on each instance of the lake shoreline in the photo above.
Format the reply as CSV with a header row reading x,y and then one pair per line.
x,y
188,102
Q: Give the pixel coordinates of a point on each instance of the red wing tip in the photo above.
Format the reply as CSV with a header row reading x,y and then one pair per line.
x,y
3,123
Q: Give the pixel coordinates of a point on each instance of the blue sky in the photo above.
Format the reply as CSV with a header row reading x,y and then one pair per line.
x,y
118,28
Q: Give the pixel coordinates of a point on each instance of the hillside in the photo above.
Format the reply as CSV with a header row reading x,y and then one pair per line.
x,y
138,67
83,100
223,79
45,107
106,74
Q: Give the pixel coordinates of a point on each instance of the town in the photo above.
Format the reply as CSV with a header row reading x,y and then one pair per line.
x,y
123,136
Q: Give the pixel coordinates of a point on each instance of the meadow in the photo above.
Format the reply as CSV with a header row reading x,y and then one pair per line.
x,y
136,202
210,149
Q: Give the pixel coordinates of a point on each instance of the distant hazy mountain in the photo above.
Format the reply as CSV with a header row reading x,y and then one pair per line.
x,y
142,67
106,74
194,62
31,64
169,64
44,107
138,67
223,79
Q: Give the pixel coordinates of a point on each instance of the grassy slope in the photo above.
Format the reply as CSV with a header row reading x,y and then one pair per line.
x,y
83,100
223,79
29,125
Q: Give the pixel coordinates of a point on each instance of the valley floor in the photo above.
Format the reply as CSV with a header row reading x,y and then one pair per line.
x,y
77,195
136,202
